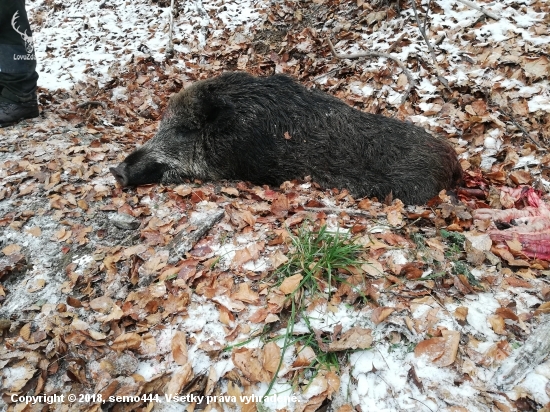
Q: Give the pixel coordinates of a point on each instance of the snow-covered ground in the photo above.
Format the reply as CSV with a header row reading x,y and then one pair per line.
x,y
78,42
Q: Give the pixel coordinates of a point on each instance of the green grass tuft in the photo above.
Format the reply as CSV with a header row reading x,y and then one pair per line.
x,y
318,256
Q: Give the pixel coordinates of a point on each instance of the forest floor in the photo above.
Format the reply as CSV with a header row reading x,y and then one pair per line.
x,y
99,300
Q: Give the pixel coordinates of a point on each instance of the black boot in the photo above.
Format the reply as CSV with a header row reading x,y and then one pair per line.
x,y
12,112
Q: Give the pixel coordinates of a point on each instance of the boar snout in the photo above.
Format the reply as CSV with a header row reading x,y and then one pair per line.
x,y
120,174
142,167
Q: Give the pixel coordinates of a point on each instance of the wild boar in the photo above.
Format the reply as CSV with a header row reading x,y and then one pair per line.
x,y
267,130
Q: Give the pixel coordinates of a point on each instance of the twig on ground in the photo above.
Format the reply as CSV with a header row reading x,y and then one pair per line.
x,y
338,210
481,9
395,43
520,127
524,359
326,74
378,54
184,241
426,16
414,399
422,29
91,103
170,48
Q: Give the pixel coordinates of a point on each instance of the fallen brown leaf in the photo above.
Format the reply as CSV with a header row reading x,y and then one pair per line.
x,y
248,362
291,283
271,357
179,378
355,338
441,350
126,341
245,294
11,249
379,314
179,348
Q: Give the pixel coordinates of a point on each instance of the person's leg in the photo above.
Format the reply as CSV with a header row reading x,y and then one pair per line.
x,y
17,64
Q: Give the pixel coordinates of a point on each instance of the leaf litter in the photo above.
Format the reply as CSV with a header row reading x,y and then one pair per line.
x,y
92,303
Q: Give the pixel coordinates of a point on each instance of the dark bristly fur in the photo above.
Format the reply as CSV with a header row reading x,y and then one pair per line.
x,y
270,129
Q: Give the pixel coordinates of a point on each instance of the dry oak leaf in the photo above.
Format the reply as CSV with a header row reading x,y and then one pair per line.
x,y
280,206
436,249
102,304
115,314
11,249
244,400
275,301
25,331
291,283
543,308
479,241
461,314
373,268
306,355
226,317
16,376
346,408
179,378
242,256
518,283
499,351
394,213
179,348
154,264
241,218
110,389
412,270
251,252
271,318
536,67
497,323
134,250
259,315
364,204
333,381
9,264
271,357
245,294
126,341
442,350
248,217
230,191
35,285
250,365
316,393
507,313
521,177
508,257
229,304
372,243
62,235
355,338
277,259
380,314
318,386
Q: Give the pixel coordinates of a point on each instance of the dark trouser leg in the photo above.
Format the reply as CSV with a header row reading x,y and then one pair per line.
x,y
18,87
17,58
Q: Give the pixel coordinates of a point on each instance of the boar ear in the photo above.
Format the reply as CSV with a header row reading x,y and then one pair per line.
x,y
197,110
216,110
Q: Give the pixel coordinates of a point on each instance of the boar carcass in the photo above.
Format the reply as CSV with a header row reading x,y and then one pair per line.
x,y
267,130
